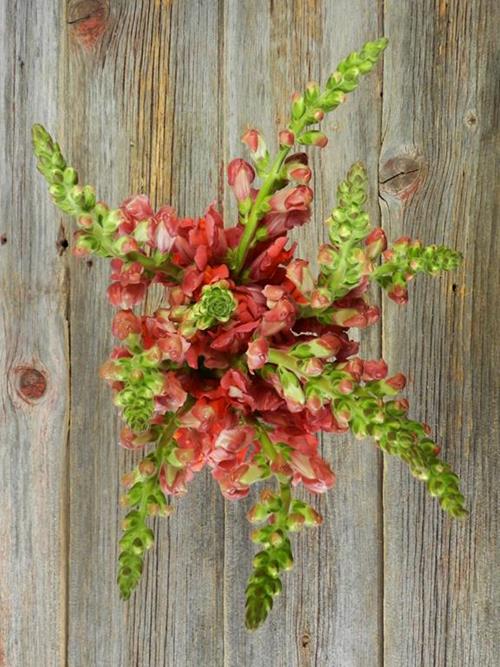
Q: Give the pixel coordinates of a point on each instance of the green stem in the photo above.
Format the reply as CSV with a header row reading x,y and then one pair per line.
x,y
165,439
149,264
279,358
265,190
173,423
254,217
147,488
267,446
286,497
168,432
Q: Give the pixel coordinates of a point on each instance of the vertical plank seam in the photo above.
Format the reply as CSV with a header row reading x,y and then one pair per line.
x,y
66,482
171,80
322,435
381,21
66,492
221,80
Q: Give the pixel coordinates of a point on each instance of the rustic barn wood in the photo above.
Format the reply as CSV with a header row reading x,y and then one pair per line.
x,y
438,599
152,97
34,380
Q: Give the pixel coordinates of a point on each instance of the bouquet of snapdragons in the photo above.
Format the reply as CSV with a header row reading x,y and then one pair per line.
x,y
250,355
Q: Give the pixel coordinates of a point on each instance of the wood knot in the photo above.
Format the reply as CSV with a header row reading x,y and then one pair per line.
x,y
31,384
305,640
3,239
62,242
402,175
470,120
88,20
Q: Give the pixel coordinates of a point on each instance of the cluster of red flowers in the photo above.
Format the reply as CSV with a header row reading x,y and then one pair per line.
x,y
219,427
250,356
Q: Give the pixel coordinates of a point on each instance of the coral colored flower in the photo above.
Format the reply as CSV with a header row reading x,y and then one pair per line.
x,y
296,168
126,296
286,138
375,243
240,176
397,381
299,273
131,440
281,316
374,370
257,353
129,284
135,209
255,143
230,484
399,294
172,397
313,472
200,241
297,198
173,479
289,208
174,347
265,265
161,234
231,441
236,387
235,339
125,323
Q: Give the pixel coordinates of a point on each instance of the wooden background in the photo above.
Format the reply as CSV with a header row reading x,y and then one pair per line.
x,y
152,96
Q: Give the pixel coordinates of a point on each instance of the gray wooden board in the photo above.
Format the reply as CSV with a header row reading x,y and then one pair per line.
x,y
439,81
153,97
149,57
329,612
34,386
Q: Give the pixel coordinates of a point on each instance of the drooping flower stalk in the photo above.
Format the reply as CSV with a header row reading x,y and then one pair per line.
x,y
249,356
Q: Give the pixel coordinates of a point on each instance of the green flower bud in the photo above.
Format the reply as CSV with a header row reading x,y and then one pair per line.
x,y
217,304
312,93
298,106
70,176
291,385
313,138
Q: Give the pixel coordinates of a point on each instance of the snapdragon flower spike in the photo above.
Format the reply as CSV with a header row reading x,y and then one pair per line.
x,y
144,498
307,110
250,354
283,515
405,259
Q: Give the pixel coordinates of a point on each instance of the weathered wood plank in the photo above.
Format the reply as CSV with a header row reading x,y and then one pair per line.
x,y
124,135
34,375
439,108
93,136
329,612
187,607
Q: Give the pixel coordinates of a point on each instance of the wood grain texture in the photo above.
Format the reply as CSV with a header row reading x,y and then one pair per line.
x,y
34,364
439,104
153,97
93,136
149,57
330,610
